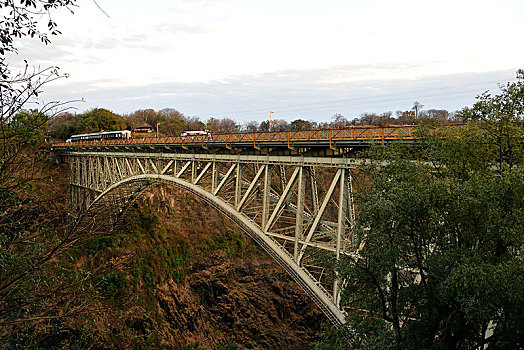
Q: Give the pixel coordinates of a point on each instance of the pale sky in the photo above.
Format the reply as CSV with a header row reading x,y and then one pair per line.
x,y
300,59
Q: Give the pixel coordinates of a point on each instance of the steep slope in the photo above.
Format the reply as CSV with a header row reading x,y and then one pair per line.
x,y
184,276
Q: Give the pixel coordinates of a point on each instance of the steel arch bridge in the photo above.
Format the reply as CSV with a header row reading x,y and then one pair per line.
x,y
291,192
278,200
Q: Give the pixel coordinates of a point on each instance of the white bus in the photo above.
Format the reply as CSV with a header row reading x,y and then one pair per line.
x,y
107,135
194,133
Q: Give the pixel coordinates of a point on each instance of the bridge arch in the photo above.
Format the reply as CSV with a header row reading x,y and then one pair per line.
x,y
135,185
293,207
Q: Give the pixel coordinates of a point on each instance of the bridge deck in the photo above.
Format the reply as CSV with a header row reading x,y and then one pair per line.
x,y
356,137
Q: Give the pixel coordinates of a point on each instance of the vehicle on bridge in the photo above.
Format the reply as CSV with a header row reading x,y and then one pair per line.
x,y
107,135
195,133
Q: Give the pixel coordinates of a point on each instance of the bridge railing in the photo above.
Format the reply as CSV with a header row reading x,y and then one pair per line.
x,y
354,133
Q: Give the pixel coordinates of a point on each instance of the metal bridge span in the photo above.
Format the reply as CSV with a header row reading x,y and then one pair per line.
x,y
290,192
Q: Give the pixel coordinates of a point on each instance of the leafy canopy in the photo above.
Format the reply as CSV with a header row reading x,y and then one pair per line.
x,y
442,231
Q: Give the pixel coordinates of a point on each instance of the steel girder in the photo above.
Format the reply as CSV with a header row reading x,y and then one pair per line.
x,y
298,209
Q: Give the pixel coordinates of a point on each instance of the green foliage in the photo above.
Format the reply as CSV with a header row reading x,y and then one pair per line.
x,y
95,120
112,286
300,124
97,244
100,119
193,346
143,135
145,273
229,346
501,119
140,223
442,235
168,258
29,126
172,127
175,260
63,126
168,122
231,243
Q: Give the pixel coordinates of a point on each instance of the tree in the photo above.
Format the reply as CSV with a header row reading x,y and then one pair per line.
x,y
173,126
171,113
35,284
194,123
300,124
438,116
21,20
417,107
63,126
251,126
442,236
339,121
99,119
225,125
19,88
280,125
383,119
264,126
148,115
405,117
501,117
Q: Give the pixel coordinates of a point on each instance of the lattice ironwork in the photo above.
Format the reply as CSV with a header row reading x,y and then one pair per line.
x,y
299,209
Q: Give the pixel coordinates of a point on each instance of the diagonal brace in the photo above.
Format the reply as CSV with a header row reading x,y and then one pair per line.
x,y
251,187
284,198
320,213
224,180
208,165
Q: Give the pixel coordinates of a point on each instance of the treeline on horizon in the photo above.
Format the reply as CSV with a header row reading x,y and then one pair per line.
x,y
171,122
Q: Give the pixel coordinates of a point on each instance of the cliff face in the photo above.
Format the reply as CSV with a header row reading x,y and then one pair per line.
x,y
187,277
252,304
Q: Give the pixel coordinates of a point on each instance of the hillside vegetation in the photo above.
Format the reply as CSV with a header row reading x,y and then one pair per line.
x,y
184,276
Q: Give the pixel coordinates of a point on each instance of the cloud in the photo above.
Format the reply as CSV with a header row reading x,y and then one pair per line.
x,y
37,53
291,94
183,28
134,42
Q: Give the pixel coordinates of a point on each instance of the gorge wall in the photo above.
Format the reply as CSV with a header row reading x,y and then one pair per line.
x,y
184,276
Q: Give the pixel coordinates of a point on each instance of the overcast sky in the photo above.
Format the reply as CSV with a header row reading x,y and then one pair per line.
x,y
298,58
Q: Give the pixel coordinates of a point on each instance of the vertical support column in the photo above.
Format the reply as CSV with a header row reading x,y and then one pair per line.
x,y
265,194
351,207
97,174
77,199
341,229
84,198
72,180
109,171
314,189
77,170
104,171
90,170
282,175
175,168
299,226
193,170
83,167
94,171
238,184
214,177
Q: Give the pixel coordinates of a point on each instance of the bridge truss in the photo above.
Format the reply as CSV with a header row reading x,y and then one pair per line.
x,y
298,209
